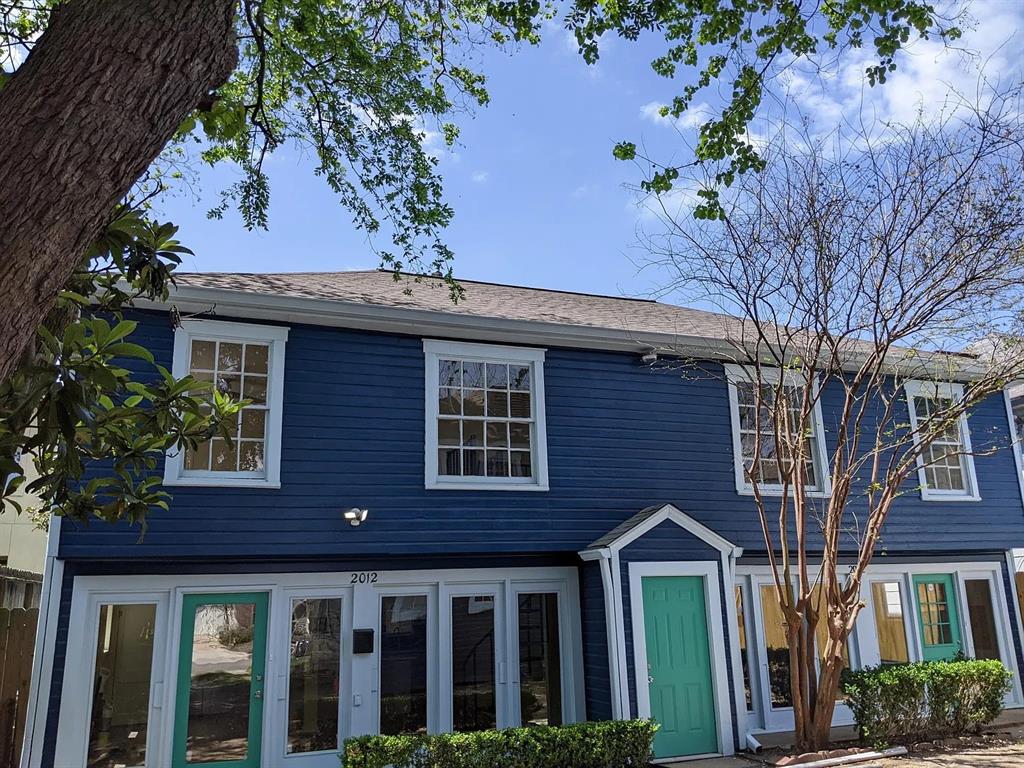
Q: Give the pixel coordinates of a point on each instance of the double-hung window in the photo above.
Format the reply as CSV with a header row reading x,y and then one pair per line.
x,y
945,464
485,417
758,458
245,362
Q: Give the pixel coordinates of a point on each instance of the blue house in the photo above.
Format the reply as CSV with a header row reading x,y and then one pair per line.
x,y
494,513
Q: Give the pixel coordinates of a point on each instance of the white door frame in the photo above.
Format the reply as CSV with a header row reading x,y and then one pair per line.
x,y
708,570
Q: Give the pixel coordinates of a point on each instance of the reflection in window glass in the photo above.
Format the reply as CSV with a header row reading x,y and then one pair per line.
x,y
892,634
221,682
540,669
936,623
314,675
120,700
403,664
744,661
983,618
777,648
473,693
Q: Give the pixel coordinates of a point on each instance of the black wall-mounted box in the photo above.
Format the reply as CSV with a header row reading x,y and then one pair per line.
x,y
362,641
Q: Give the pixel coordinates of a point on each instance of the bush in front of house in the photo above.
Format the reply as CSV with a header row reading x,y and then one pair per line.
x,y
925,699
609,744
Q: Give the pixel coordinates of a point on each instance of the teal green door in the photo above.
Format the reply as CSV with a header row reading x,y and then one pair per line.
x,y
940,620
679,666
218,712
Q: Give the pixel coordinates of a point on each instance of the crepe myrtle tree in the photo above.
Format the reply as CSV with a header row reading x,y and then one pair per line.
x,y
851,263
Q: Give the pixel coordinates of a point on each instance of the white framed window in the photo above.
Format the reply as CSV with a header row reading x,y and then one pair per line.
x,y
485,425
1014,396
746,426
945,466
247,362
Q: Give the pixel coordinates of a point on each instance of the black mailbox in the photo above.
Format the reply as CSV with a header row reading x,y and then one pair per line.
x,y
362,641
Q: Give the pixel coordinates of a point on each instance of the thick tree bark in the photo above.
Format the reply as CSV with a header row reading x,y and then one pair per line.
x,y
101,93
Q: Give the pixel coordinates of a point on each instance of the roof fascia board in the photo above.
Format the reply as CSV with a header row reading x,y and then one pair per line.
x,y
422,322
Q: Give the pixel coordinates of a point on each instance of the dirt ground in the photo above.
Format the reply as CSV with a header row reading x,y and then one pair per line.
x,y
999,750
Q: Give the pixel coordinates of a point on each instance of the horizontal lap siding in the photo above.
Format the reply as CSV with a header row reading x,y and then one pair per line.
x,y
595,643
621,436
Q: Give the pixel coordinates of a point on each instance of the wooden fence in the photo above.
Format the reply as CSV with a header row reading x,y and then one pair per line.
x,y
19,612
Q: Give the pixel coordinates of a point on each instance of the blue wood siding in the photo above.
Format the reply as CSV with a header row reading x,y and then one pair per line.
x,y
594,626
621,436
667,542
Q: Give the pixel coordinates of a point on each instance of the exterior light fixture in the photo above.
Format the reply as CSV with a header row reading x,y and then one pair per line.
x,y
355,516
649,357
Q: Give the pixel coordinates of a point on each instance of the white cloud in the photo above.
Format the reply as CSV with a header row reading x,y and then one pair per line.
x,y
692,118
584,190
926,73
479,177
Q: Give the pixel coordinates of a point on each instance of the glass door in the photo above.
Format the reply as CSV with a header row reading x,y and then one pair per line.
x,y
475,684
940,619
218,718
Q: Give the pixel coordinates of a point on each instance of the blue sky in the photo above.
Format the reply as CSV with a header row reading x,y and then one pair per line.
x,y
539,199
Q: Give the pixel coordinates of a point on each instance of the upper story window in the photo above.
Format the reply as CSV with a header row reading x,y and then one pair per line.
x,y
945,466
756,455
1015,411
246,362
485,417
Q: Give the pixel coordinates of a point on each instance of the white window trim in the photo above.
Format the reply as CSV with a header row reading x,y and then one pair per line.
x,y
274,335
435,350
734,373
952,391
1015,443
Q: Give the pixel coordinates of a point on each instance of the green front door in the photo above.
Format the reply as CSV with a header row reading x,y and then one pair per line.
x,y
218,714
940,620
679,666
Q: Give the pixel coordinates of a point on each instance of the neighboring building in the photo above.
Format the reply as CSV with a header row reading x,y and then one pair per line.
x,y
550,530
22,543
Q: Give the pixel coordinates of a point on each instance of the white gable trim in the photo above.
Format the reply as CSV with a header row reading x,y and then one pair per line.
x,y
670,512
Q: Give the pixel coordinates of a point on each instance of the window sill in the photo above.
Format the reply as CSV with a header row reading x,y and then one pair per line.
x,y
222,482
777,493
463,485
926,496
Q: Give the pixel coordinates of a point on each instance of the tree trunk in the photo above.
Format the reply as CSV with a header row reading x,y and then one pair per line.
x,y
101,93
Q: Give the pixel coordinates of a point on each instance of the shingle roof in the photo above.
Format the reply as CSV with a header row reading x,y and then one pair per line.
x,y
490,300
625,527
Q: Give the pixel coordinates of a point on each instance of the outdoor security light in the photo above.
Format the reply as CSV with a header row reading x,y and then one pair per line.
x,y
355,516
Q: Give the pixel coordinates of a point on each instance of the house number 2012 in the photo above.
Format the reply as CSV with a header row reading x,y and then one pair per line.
x,y
366,577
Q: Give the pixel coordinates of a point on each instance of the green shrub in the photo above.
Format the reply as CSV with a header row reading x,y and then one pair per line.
x,y
925,699
611,744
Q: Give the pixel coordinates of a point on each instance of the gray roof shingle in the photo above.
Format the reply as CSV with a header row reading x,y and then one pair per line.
x,y
490,300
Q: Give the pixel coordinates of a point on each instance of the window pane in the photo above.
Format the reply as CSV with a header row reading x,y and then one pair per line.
x,y
221,679
892,635
473,402
777,648
744,661
520,435
519,377
540,667
314,675
473,690
199,458
520,464
497,463
448,432
403,664
203,355
497,404
255,388
256,358
120,700
254,422
472,375
983,618
519,405
450,402
473,463
225,456
449,373
449,461
229,356
250,457
230,385
497,434
497,376
473,433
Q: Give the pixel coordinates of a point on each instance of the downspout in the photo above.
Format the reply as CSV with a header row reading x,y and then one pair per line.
x,y
42,661
611,625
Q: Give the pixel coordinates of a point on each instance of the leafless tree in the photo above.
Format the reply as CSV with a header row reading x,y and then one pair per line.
x,y
855,262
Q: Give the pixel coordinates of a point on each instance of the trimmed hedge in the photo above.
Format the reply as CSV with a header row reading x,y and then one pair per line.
x,y
611,744
925,699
